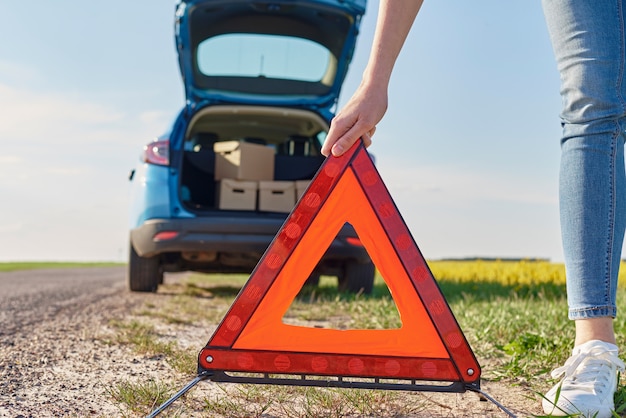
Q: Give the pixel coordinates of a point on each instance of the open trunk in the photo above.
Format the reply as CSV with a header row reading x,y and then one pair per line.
x,y
294,137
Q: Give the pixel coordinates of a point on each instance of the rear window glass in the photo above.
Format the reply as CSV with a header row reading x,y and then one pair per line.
x,y
270,56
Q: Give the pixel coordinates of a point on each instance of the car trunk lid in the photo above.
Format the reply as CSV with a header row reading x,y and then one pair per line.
x,y
279,52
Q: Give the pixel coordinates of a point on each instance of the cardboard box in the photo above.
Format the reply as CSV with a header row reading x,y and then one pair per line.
x,y
301,186
277,196
237,194
243,161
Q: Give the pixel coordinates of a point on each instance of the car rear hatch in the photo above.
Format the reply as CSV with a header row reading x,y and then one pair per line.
x,y
282,52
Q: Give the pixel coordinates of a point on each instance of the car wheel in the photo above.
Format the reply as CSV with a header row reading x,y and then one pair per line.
x,y
357,277
144,273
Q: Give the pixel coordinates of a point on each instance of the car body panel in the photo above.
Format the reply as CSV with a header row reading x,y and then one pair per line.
x,y
150,190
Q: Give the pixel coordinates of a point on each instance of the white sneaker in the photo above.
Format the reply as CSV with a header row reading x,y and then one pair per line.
x,y
588,384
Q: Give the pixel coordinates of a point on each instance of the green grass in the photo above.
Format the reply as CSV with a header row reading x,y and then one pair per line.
x,y
518,333
34,265
138,397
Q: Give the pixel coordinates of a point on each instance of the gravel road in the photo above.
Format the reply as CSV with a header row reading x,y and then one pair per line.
x,y
52,328
30,297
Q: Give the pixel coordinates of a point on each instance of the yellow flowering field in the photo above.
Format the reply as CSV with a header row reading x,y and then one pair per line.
x,y
505,272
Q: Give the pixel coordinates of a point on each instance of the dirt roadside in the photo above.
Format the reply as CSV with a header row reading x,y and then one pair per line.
x,y
59,361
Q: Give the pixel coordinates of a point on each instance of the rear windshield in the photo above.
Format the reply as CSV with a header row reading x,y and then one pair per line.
x,y
264,64
271,56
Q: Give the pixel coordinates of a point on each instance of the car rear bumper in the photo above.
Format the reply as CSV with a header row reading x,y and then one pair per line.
x,y
226,235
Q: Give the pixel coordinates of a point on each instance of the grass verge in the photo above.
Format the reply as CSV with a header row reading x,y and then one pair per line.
x,y
35,265
518,330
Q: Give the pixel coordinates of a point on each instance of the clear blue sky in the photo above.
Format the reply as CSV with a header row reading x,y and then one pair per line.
x,y
469,147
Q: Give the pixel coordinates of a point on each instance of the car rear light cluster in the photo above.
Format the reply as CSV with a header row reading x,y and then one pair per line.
x,y
165,236
157,152
354,241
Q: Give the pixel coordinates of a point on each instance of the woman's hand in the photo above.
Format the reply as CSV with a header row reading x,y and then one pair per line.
x,y
357,119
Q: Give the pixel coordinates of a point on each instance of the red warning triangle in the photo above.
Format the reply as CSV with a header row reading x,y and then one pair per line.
x,y
252,337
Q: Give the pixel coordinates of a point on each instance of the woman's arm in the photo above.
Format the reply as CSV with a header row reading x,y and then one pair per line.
x,y
369,103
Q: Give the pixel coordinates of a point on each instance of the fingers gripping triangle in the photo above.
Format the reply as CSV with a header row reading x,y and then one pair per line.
x,y
429,345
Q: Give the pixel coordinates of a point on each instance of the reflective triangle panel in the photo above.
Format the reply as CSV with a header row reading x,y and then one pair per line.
x,y
428,345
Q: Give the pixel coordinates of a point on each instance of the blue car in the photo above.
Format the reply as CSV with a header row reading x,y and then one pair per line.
x,y
262,80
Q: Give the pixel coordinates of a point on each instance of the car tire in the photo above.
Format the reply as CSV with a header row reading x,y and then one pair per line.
x,y
357,277
144,273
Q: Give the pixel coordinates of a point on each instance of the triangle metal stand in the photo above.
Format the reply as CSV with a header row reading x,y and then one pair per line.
x,y
217,376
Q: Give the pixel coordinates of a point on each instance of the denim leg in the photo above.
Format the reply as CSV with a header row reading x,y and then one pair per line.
x,y
588,41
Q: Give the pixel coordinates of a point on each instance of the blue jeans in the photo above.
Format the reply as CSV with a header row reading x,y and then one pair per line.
x,y
589,45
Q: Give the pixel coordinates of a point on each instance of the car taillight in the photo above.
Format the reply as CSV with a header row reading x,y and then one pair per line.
x,y
164,236
354,241
157,152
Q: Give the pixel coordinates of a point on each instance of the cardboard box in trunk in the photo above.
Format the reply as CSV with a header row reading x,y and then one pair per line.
x,y
237,194
277,196
301,186
241,160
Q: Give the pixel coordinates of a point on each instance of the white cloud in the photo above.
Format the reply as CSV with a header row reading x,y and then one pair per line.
x,y
43,117
454,183
453,211
64,165
10,159
65,171
12,227
18,74
70,119
154,117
